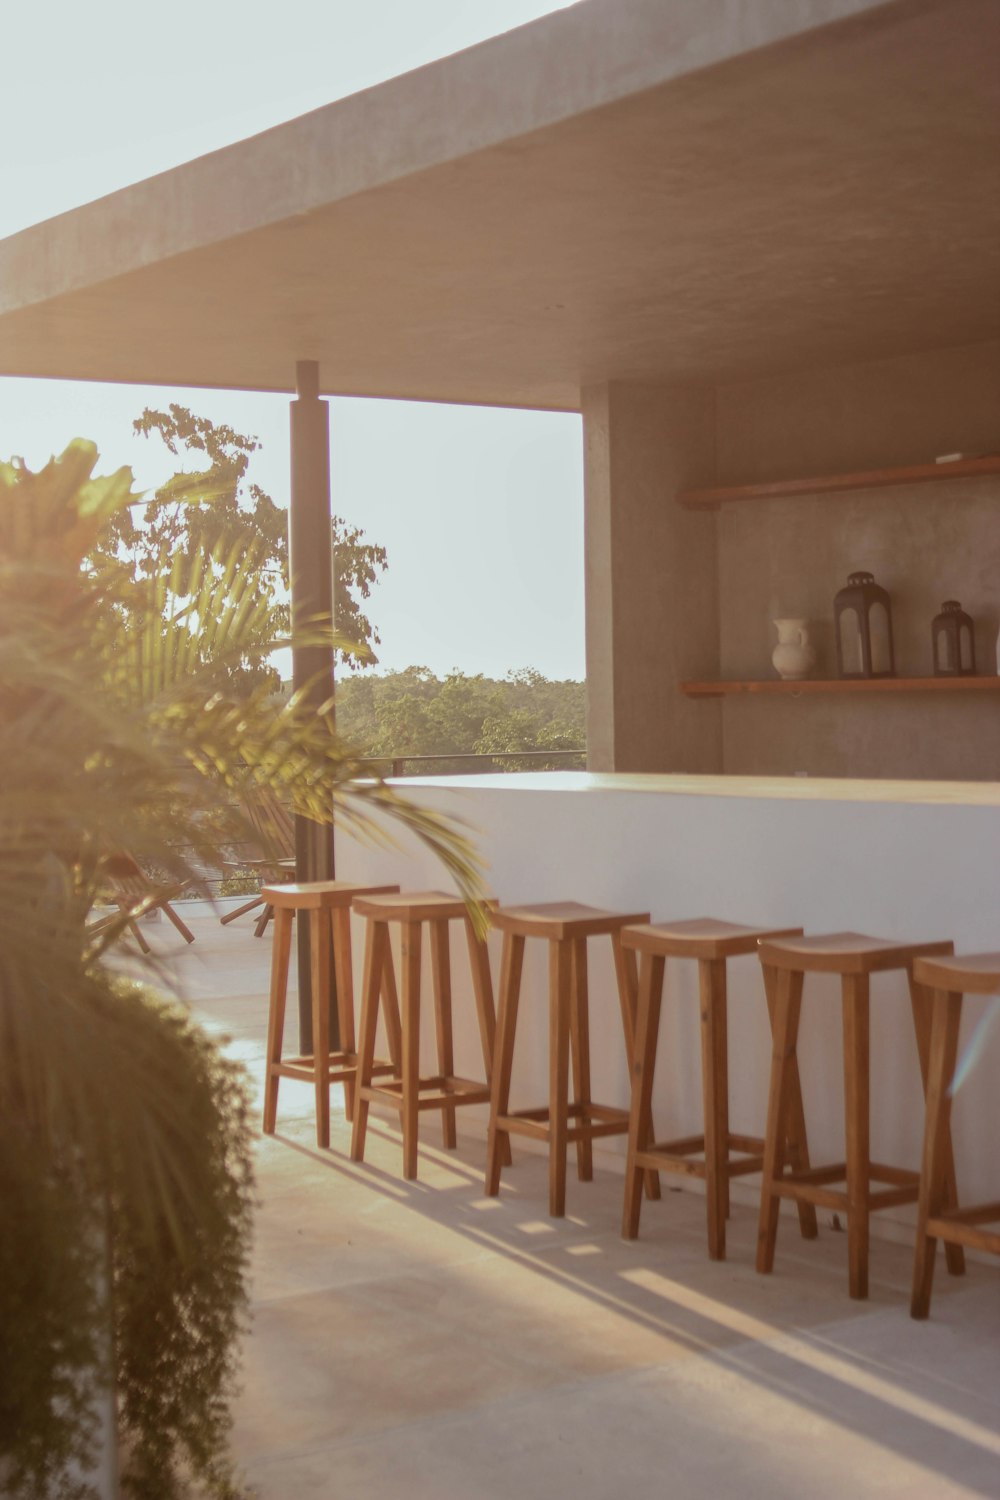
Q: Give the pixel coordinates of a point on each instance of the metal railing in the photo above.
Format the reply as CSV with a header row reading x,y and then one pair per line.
x,y
485,760
396,767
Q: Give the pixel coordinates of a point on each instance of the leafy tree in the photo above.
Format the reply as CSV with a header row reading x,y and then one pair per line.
x,y
124,1136
217,512
415,713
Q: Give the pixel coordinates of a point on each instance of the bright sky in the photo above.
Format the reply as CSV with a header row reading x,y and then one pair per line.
x,y
481,510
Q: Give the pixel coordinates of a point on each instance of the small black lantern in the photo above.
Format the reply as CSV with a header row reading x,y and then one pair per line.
x,y
862,623
953,641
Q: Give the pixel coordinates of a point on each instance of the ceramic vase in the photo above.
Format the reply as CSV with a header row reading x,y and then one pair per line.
x,y
793,656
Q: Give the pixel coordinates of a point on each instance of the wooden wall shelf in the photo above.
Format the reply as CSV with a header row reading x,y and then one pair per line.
x,y
832,484
818,685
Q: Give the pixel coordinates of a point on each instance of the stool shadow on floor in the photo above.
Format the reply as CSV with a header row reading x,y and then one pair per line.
x,y
798,1340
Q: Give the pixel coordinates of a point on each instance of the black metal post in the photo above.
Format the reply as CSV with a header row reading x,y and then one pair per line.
x,y
311,568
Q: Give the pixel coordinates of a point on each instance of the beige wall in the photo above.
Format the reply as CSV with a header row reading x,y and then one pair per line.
x,y
651,570
672,596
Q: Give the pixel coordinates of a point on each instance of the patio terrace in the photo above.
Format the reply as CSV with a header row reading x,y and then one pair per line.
x,y
419,1338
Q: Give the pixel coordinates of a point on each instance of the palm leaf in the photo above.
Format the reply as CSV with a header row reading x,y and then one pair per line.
x,y
119,731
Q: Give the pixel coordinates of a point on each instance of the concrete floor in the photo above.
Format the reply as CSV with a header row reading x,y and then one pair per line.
x,y
420,1339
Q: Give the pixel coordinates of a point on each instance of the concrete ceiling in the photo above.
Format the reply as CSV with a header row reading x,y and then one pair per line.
x,y
626,190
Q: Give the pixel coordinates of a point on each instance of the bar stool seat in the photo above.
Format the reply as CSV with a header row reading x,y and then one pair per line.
x,y
327,906
938,1219
710,942
405,1090
855,957
566,926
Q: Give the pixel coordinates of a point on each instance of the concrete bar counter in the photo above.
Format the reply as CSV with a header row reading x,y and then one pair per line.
x,y
902,859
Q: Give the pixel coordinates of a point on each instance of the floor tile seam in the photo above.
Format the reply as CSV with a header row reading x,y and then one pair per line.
x,y
431,1280
425,1315
206,1017
645,1375
539,1261
822,1337
344,1285
364,1282
483,1254
452,1417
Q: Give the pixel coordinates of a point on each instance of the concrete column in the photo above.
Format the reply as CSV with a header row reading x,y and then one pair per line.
x,y
311,569
651,579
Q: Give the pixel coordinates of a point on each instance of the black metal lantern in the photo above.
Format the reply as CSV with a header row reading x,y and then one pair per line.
x,y
953,641
862,623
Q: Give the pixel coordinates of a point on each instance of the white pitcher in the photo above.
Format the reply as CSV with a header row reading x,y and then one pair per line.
x,y
793,656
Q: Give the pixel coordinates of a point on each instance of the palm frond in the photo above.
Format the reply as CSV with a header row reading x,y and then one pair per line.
x,y
119,730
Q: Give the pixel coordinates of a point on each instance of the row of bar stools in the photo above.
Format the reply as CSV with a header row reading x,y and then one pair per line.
x,y
566,926
405,1090
855,958
938,1215
326,904
937,982
724,1154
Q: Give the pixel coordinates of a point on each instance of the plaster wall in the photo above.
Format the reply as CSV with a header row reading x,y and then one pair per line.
x,y
652,608
674,595
924,543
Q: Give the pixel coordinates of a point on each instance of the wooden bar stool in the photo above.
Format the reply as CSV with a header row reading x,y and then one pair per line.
x,y
327,904
710,942
406,1091
566,925
855,958
938,1214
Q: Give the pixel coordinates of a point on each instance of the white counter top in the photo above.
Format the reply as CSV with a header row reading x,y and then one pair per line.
x,y
784,788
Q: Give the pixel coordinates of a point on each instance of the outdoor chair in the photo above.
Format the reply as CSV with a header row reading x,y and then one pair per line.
x,y
132,889
274,832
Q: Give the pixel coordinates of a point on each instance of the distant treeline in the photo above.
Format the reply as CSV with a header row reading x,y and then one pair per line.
x,y
415,713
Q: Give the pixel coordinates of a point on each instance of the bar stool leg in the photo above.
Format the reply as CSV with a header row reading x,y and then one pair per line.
x,y
411,1045
376,942
934,1165
390,1005
796,1140
276,1014
319,954
441,967
857,1122
340,936
560,1002
922,1003
511,960
628,990
580,1053
722,1082
643,1063
712,987
785,1032
482,984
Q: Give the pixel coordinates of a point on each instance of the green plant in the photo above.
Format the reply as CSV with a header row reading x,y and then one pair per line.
x,y
174,1268
124,1144
413,713
240,883
231,513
